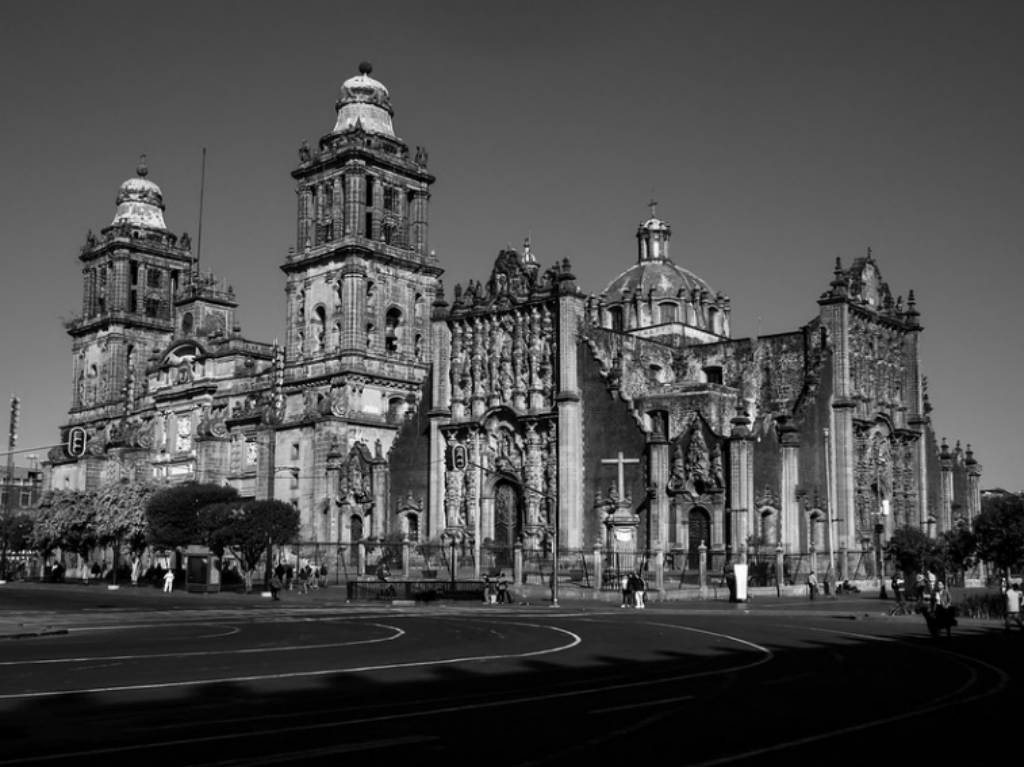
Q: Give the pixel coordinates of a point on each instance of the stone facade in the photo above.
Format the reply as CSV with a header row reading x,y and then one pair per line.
x,y
628,420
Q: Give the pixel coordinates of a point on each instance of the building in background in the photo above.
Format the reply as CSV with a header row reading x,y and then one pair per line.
x,y
22,491
632,419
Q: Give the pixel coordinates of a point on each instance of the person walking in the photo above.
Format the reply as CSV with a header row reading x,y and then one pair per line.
x,y
1012,596
812,585
168,581
275,586
639,590
626,584
899,590
945,614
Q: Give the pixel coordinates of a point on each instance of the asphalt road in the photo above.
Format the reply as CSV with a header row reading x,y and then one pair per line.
x,y
140,678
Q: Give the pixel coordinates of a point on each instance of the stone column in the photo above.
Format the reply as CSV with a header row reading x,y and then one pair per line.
x,y
570,415
355,184
945,520
353,308
790,439
419,217
741,485
598,567
659,469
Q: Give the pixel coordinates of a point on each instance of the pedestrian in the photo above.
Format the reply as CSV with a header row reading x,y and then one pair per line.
x,y
639,591
136,569
1012,597
812,585
945,613
168,581
626,584
323,576
899,589
275,586
504,595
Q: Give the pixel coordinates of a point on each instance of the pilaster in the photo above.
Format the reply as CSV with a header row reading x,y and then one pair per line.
x,y
791,514
570,416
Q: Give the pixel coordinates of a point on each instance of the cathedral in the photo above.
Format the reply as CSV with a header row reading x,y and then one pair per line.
x,y
516,409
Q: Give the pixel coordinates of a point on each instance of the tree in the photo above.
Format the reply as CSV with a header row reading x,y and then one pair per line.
x,y
121,517
1000,532
957,548
173,512
65,521
15,535
913,551
255,527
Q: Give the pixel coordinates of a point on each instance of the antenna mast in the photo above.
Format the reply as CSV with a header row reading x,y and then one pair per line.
x,y
199,234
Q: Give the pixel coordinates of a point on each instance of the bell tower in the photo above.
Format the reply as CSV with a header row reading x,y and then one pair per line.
x,y
360,279
131,274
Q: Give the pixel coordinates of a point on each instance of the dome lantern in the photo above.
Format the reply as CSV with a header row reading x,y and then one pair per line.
x,y
139,201
364,103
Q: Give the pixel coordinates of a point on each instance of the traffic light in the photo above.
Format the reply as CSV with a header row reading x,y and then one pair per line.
x,y
15,412
77,439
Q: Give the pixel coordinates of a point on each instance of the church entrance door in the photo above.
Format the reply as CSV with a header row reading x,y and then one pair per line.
x,y
700,532
508,522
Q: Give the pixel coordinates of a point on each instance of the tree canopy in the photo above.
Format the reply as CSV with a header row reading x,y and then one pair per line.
x,y
173,512
65,520
1000,532
121,514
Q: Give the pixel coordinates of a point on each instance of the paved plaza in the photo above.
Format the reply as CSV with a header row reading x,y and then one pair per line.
x,y
115,677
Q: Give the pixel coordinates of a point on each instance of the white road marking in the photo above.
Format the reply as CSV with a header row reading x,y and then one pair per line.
x,y
952,699
231,630
205,653
305,674
642,704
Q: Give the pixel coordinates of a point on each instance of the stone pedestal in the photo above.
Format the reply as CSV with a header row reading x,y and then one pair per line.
x,y
621,526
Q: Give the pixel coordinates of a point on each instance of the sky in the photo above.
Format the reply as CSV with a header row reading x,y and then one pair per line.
x,y
775,136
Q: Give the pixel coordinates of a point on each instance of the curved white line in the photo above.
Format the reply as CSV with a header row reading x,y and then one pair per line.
x,y
951,699
205,653
231,630
306,674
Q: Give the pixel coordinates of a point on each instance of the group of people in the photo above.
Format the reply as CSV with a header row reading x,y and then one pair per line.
x,y
929,597
286,577
634,590
496,589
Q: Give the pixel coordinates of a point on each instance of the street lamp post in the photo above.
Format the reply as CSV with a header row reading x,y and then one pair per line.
x,y
828,510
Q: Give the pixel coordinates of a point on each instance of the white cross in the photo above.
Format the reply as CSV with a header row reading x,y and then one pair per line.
x,y
621,463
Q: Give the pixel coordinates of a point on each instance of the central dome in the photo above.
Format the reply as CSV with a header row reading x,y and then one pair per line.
x,y
139,201
366,103
657,297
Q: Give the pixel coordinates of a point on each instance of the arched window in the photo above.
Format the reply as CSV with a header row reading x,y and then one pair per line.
x,y
412,526
396,409
152,305
187,323
355,528
391,323
668,312
615,319
418,348
320,331
418,304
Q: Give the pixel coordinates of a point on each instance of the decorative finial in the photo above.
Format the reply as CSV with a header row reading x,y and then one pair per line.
x,y
141,169
365,67
869,252
654,207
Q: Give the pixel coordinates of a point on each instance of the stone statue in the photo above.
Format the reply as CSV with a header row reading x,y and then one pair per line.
x,y
421,156
186,241
305,154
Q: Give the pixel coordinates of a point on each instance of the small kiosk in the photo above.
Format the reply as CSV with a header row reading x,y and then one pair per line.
x,y
202,570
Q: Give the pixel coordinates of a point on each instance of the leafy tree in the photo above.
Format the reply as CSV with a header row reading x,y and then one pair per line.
x,y
15,535
1000,532
957,548
913,551
217,523
257,526
46,531
121,517
173,512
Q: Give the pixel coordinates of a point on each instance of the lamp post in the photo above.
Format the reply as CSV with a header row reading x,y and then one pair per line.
x,y
828,510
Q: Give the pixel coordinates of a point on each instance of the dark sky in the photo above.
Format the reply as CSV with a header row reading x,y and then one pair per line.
x,y
776,137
